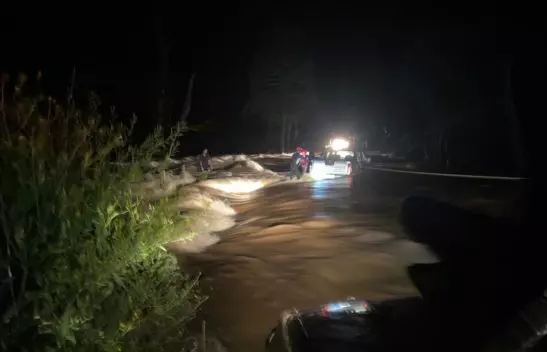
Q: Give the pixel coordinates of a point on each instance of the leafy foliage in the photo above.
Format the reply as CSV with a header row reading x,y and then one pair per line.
x,y
85,269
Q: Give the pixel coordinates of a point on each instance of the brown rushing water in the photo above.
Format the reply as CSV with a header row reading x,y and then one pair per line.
x,y
303,244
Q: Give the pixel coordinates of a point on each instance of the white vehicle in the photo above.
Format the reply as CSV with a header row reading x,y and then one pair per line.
x,y
338,159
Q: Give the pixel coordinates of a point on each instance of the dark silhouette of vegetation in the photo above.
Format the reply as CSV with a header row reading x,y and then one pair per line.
x,y
165,99
282,86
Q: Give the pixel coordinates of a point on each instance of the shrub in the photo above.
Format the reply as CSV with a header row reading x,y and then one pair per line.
x,y
85,269
203,176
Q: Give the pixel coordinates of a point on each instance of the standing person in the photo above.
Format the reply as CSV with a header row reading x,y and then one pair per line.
x,y
304,162
205,161
295,161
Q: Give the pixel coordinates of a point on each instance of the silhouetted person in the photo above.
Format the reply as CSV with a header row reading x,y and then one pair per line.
x,y
205,161
295,160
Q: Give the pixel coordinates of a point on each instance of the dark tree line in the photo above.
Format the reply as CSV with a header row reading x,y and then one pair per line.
x,y
281,82
164,45
457,104
446,104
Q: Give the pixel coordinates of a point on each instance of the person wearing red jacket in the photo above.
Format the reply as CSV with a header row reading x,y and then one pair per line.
x,y
305,158
299,162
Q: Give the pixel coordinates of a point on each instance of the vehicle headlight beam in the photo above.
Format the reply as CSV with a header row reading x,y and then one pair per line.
x,y
339,144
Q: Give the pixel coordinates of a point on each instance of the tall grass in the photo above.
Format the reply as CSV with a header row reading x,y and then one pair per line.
x,y
84,269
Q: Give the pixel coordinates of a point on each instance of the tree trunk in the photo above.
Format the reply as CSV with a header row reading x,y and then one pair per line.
x,y
270,143
441,159
434,150
295,132
446,153
514,124
425,152
188,99
288,134
283,127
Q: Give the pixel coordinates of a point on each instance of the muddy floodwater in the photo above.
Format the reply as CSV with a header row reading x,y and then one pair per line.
x,y
303,244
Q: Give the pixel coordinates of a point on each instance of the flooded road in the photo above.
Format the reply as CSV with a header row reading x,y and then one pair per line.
x,y
303,244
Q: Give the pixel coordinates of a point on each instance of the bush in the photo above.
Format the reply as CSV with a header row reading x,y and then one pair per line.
x,y
203,176
85,269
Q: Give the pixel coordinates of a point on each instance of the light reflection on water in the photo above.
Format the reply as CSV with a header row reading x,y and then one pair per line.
x,y
320,189
330,189
320,215
306,243
331,198
305,246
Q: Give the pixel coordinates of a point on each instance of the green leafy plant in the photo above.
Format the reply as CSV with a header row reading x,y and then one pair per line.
x,y
84,264
203,176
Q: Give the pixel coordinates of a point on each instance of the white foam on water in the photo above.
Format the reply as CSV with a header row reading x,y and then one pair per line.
x,y
209,221
240,157
163,185
204,202
195,244
234,185
255,166
408,252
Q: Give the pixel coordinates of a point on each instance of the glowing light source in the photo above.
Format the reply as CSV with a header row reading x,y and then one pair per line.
x,y
339,144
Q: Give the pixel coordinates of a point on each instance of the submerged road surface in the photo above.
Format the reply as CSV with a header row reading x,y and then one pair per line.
x,y
303,244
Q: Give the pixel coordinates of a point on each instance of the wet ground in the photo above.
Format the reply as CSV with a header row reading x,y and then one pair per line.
x,y
303,244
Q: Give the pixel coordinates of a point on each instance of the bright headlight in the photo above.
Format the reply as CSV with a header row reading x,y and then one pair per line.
x,y
339,144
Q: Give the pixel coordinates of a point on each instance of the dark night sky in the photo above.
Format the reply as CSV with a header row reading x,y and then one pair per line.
x,y
368,60
116,55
